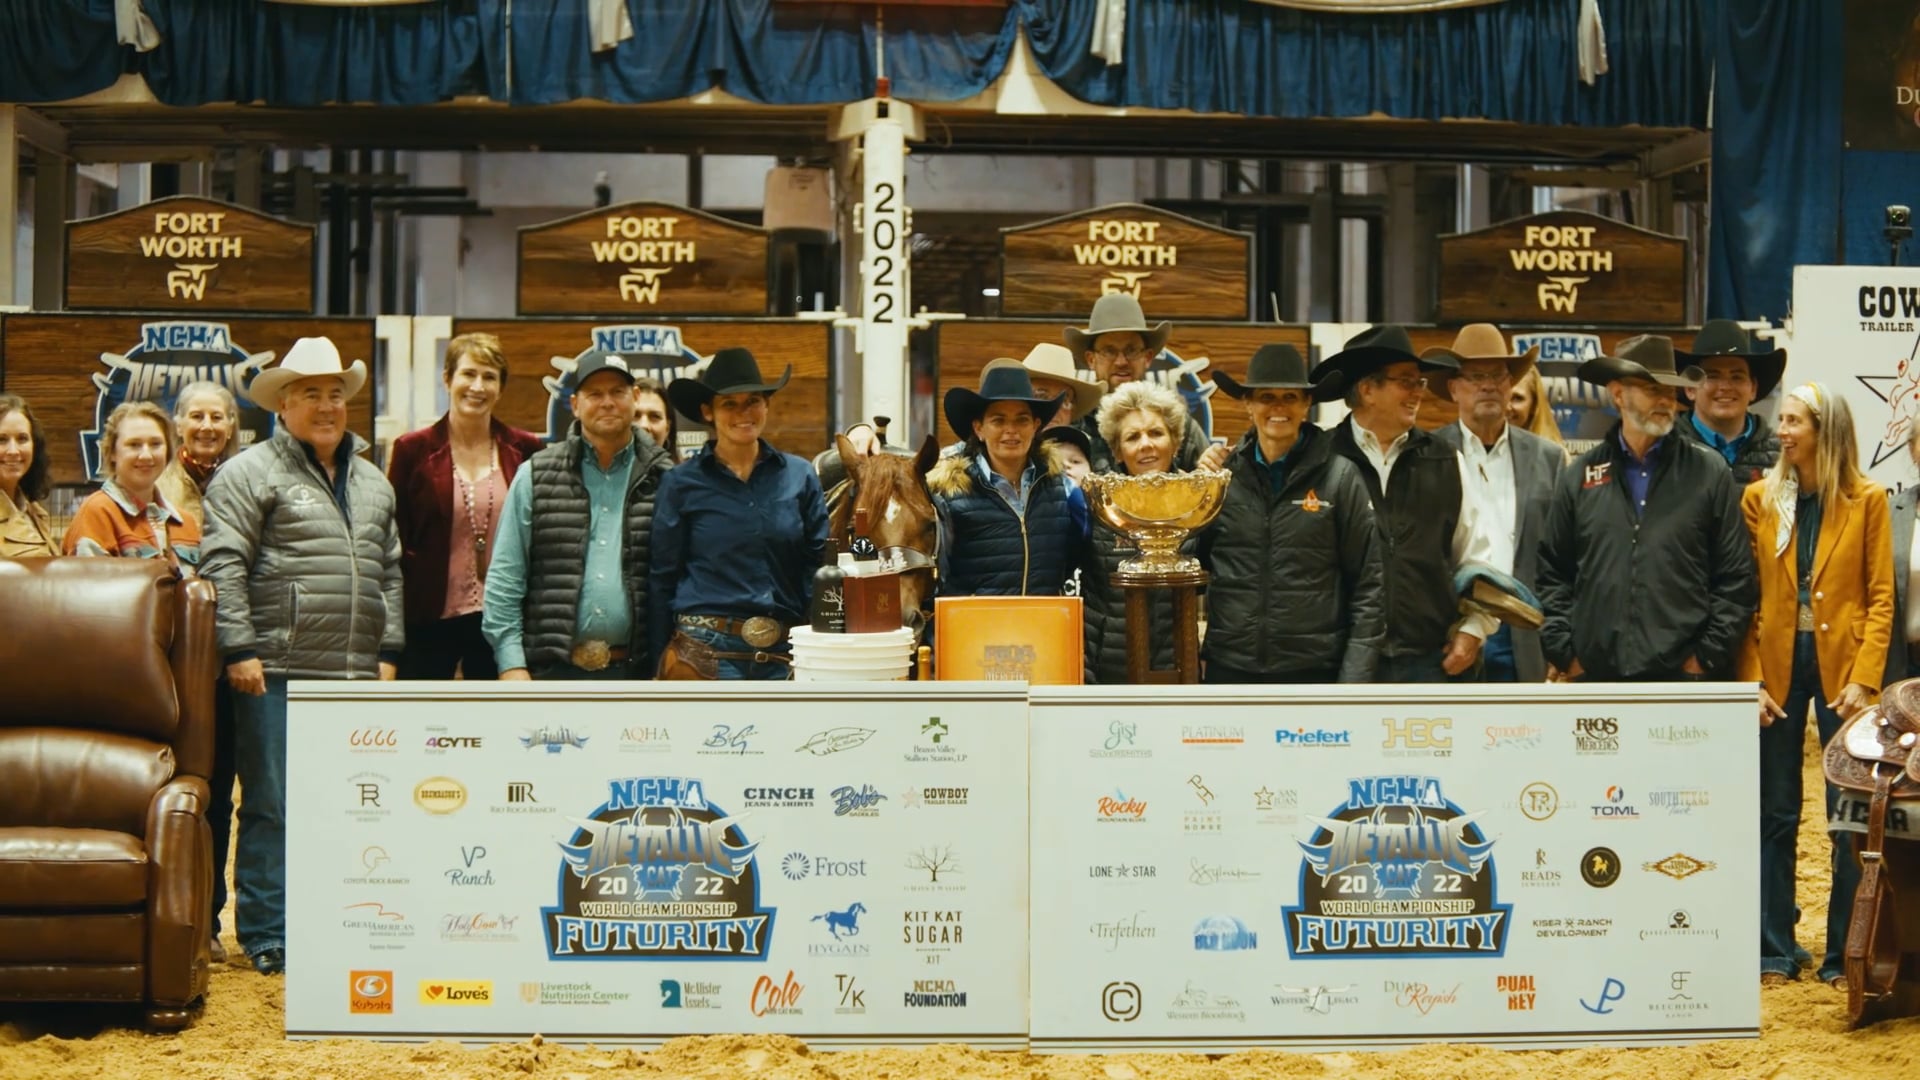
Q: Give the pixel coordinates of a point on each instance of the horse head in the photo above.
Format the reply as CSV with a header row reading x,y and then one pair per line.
x,y
901,521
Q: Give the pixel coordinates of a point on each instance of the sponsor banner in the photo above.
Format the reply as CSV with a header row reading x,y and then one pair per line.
x,y
840,863
1520,866
1857,329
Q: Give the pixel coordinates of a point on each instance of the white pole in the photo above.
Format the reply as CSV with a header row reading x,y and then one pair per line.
x,y
884,366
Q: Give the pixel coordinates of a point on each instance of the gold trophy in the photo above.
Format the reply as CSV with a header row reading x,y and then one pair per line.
x,y
1157,511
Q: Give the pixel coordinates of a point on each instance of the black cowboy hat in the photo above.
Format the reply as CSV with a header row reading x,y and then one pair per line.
x,y
1010,383
731,371
1279,367
1724,337
1374,348
1066,433
1648,356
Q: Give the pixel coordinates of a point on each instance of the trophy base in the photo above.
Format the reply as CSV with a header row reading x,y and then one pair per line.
x,y
1138,573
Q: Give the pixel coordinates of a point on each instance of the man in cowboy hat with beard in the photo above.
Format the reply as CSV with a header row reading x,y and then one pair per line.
x,y
1428,527
1119,347
1737,374
1509,473
302,548
1646,569
566,589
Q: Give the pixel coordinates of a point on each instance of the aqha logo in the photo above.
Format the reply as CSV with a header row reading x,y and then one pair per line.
x,y
1120,809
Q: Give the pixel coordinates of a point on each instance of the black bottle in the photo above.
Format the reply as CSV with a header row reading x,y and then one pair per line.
x,y
828,610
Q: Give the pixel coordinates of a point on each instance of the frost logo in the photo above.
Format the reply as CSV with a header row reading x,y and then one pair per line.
x,y
168,356
651,350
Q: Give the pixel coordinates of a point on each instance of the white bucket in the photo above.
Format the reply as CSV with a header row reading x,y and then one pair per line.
x,y
878,673
805,639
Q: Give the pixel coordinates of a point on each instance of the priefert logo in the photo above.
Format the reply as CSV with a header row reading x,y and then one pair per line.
x,y
1316,737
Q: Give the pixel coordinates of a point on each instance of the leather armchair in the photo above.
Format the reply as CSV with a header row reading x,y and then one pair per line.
x,y
107,671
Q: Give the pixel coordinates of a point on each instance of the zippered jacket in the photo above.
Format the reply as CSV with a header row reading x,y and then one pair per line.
x,y
989,550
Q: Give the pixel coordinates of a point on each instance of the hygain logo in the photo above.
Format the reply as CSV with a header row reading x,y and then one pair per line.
x,y
658,872
169,356
1398,870
655,351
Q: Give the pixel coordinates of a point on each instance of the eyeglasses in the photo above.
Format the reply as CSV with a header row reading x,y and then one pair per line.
x,y
1130,353
1409,383
1486,378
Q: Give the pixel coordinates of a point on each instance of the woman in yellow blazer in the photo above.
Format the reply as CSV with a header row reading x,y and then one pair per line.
x,y
1822,543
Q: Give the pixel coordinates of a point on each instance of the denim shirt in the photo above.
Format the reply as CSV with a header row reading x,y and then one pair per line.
x,y
1725,447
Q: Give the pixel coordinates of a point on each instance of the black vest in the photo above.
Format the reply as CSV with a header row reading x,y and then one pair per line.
x,y
991,545
1415,520
557,553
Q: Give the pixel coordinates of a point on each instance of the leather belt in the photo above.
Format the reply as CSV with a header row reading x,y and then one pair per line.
x,y
597,655
759,631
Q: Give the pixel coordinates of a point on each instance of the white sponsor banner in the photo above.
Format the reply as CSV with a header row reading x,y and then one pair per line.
x,y
631,862
1365,866
1857,329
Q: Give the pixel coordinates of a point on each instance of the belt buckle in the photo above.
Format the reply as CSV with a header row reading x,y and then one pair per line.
x,y
1803,619
592,655
761,631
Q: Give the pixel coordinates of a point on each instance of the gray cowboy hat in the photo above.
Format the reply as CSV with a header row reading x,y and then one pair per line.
x,y
1279,367
1724,337
731,371
1117,313
1648,356
1482,341
997,383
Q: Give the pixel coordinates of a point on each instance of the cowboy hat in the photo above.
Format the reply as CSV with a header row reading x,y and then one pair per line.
x,y
1724,337
1066,433
731,371
1006,383
1374,348
1648,356
1056,362
1118,313
310,358
1482,341
1279,367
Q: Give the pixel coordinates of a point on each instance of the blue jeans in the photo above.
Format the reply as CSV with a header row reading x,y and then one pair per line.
x,y
260,857
1782,758
739,669
1415,668
220,784
1496,657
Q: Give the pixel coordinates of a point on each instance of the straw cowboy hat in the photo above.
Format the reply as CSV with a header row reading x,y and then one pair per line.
x,y
310,358
1056,362
1482,341
998,383
732,371
1724,337
1117,313
1648,357
1279,367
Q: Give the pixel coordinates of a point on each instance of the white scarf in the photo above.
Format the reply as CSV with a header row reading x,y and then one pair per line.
x,y
1786,500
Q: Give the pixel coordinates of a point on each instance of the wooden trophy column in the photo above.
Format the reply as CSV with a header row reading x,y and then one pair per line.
x,y
1185,588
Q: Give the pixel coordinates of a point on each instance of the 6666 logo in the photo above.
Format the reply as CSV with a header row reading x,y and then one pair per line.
x,y
374,741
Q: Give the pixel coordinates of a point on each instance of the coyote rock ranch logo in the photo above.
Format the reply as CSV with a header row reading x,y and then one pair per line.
x,y
168,356
1397,871
654,351
658,872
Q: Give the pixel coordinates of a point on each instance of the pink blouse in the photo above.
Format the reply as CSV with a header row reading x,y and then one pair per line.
x,y
467,561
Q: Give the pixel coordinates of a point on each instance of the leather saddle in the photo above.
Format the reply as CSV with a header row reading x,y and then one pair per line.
x,y
1876,755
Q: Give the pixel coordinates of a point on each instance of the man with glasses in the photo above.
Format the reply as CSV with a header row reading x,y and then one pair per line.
x,y
1509,474
1736,375
1646,570
1427,526
1119,346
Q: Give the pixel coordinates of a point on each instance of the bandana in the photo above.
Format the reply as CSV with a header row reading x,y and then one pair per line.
x,y
1786,498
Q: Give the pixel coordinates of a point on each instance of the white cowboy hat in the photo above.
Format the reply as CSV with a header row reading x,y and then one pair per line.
x,y
1056,362
310,358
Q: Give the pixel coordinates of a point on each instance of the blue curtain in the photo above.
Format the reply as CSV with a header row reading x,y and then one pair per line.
x,y
52,50
1870,182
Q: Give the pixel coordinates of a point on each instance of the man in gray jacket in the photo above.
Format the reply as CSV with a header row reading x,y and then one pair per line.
x,y
302,547
1509,472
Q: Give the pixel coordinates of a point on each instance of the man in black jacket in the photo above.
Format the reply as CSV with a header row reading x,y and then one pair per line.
x,y
1646,571
1735,376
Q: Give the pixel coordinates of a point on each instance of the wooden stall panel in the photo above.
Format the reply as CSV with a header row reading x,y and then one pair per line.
x,y
797,422
74,369
966,346
1563,267
643,259
1178,268
189,254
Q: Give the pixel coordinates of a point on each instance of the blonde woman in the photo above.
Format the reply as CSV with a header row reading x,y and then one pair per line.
x,y
1144,425
208,420
1529,410
128,516
1821,541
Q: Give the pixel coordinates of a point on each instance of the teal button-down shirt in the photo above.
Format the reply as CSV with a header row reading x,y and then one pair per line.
x,y
603,614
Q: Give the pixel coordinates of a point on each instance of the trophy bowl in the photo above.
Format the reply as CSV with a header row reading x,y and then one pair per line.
x,y
1157,511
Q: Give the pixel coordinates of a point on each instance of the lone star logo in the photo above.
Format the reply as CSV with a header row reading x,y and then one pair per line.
x,y
1901,392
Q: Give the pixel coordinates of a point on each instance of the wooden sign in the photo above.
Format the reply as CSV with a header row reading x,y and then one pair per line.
x,y
189,254
643,259
966,345
1564,267
74,369
798,420
1178,268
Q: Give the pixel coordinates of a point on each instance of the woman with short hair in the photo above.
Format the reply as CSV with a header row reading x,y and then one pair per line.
x,y
655,415
26,530
207,418
128,516
1819,639
450,485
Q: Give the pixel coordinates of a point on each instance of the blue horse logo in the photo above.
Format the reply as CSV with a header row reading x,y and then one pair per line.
x,y
843,924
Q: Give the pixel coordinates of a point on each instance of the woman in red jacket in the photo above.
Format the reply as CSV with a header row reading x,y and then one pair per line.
x,y
449,483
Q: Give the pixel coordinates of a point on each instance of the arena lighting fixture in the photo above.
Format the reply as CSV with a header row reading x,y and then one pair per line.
x,y
989,292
